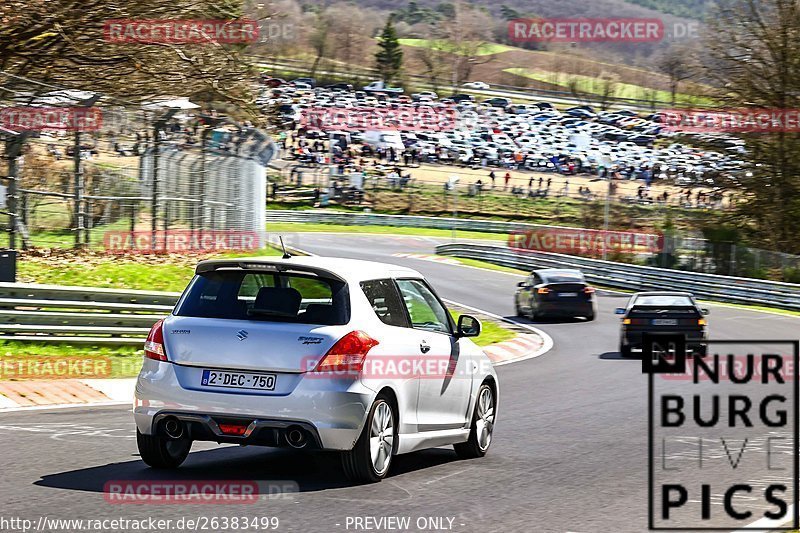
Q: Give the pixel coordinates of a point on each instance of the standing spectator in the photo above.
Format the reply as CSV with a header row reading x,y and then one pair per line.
x,y
492,177
506,180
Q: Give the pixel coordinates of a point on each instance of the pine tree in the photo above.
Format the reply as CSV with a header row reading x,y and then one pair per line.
x,y
389,57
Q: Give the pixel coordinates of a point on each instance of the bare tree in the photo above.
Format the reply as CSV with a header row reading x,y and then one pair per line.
x,y
64,44
319,35
675,64
608,83
753,58
465,38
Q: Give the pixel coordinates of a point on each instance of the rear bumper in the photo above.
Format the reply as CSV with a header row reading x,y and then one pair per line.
x,y
331,411
694,337
566,308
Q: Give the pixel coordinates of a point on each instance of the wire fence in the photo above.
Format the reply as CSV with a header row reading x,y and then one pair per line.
x,y
132,174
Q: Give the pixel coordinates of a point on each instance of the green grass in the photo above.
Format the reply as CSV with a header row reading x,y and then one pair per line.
x,y
138,272
291,227
483,264
111,274
492,333
594,85
484,49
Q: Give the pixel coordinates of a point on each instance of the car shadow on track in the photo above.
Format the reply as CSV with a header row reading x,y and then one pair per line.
x,y
312,471
545,321
616,356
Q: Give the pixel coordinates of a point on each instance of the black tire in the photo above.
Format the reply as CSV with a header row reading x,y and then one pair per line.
x,y
625,351
590,318
476,445
700,351
534,314
357,463
161,452
517,311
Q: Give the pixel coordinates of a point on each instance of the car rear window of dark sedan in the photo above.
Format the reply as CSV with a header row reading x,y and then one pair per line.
x,y
563,278
664,300
266,296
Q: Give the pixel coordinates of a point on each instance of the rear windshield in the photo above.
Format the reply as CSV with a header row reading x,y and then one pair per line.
x,y
663,300
266,296
564,277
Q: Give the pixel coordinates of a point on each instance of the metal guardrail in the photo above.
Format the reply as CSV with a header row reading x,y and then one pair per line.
x,y
86,315
730,289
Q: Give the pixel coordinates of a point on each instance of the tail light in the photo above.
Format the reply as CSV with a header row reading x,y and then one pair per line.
x,y
154,345
588,290
626,321
701,321
347,354
543,290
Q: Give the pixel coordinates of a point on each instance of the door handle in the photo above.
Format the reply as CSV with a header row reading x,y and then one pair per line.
x,y
424,347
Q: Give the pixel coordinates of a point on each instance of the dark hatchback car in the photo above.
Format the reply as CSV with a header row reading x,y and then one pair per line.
x,y
553,292
663,312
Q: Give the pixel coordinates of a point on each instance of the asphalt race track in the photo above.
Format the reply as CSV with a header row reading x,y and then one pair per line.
x,y
569,451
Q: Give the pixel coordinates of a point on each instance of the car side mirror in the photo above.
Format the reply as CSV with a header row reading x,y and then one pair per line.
x,y
522,284
619,311
468,326
705,311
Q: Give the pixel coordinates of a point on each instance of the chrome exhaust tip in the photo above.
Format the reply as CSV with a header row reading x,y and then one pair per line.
x,y
296,437
173,427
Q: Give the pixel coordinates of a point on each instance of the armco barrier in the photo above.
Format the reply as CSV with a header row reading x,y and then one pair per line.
x,y
638,278
409,221
86,315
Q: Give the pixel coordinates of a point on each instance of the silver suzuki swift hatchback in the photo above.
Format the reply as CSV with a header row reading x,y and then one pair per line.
x,y
319,353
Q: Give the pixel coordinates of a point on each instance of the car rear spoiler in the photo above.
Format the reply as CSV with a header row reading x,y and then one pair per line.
x,y
243,264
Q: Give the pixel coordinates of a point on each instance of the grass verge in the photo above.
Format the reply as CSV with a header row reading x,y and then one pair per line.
x,y
290,227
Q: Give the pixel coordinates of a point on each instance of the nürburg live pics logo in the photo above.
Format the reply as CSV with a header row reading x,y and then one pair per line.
x,y
722,434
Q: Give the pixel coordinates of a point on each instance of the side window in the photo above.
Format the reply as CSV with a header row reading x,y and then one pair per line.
x,y
385,301
424,309
536,279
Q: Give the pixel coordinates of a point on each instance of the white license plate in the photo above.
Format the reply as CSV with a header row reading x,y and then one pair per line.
x,y
568,294
665,322
238,380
